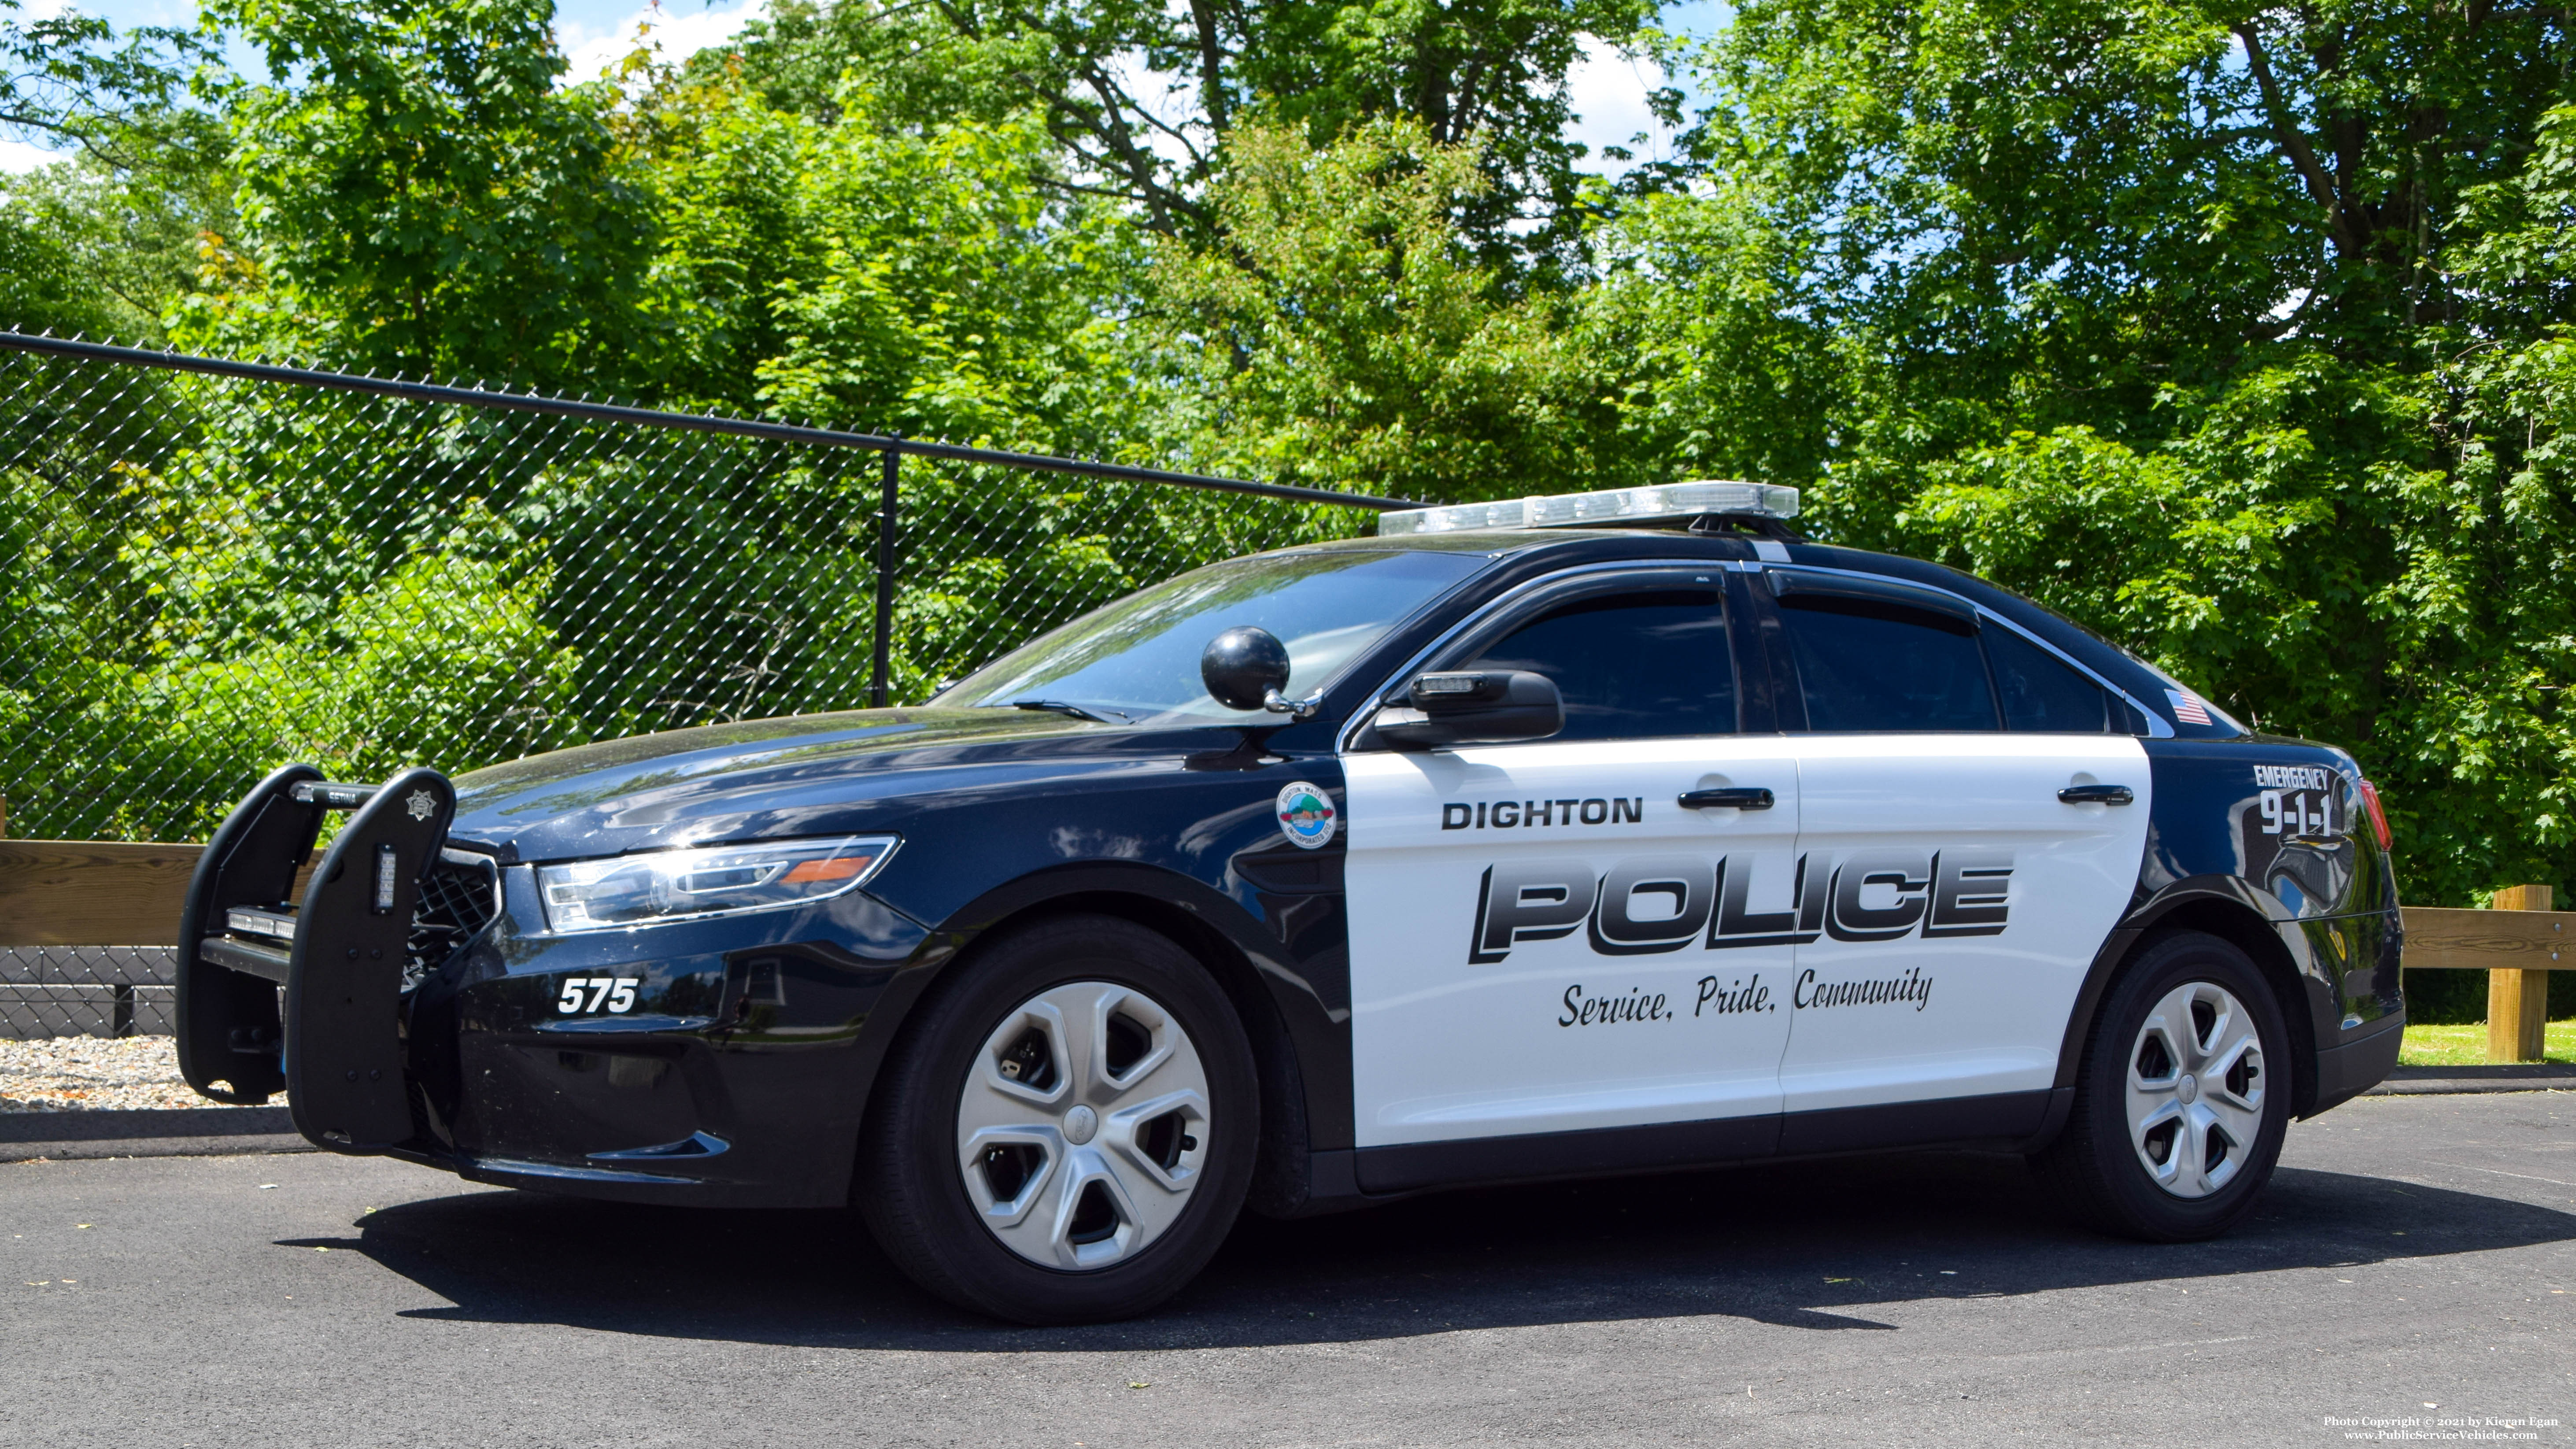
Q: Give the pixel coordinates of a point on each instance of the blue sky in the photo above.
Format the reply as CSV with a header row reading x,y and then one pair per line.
x,y
1609,90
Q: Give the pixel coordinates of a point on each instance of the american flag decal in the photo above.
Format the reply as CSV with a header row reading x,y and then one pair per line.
x,y
2187,706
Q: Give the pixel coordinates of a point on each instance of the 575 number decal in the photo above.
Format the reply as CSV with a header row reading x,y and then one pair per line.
x,y
583,995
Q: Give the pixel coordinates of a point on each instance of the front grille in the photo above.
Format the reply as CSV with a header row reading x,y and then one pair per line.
x,y
458,897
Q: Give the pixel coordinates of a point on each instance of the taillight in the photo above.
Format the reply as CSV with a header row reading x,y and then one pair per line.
x,y
2378,817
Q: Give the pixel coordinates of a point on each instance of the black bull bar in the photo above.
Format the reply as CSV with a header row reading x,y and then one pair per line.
x,y
336,1048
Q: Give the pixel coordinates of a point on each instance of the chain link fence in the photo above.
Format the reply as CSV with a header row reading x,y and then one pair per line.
x,y
208,569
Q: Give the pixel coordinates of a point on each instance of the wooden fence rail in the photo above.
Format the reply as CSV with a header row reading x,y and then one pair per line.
x,y
107,893
92,892
2517,944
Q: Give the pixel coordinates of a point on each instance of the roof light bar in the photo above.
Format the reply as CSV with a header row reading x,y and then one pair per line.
x,y
1664,504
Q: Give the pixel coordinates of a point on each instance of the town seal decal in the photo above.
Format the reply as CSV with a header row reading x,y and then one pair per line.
x,y
1306,815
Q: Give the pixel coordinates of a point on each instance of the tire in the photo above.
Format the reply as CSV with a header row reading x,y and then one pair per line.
x,y
1066,1130
2182,1098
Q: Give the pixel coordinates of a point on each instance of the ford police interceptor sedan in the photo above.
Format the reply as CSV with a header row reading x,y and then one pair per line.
x,y
1482,850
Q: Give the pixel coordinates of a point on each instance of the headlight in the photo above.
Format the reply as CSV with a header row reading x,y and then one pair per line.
x,y
722,880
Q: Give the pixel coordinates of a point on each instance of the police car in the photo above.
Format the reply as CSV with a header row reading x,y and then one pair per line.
x,y
1602,833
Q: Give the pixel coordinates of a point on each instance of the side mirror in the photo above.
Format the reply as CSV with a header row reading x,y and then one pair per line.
x,y
1244,667
1480,708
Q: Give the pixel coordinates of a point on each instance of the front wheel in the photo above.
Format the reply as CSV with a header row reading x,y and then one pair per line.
x,y
1066,1133
2182,1099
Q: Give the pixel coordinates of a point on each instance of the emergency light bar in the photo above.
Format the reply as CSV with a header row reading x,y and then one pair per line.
x,y
1665,504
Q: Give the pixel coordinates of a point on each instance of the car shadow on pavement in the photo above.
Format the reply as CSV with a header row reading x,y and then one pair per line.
x,y
1804,1245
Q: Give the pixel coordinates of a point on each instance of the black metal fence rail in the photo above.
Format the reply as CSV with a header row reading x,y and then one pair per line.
x,y
208,567
890,443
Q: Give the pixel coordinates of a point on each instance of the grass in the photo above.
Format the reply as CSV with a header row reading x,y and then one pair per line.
x,y
2454,1046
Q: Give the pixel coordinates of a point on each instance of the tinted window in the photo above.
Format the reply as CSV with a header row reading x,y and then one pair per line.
x,y
1631,666
2040,693
1869,666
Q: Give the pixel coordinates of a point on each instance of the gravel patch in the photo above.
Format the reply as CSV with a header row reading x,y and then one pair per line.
x,y
91,1073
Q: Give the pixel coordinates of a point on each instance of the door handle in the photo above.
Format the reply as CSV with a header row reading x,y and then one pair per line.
x,y
2097,795
1739,797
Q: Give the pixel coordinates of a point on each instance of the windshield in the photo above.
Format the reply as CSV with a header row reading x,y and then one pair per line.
x,y
1137,661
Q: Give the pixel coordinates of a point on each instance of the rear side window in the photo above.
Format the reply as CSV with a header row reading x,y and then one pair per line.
x,y
1868,665
2040,694
1630,666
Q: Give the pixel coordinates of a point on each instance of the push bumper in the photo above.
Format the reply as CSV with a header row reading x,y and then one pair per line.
x,y
411,1027
334,1043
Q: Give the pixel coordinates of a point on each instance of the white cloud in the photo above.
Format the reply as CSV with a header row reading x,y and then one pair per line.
x,y
18,157
594,50
1607,91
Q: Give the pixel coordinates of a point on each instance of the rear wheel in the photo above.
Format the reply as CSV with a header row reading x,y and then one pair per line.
x,y
2182,1098
1066,1132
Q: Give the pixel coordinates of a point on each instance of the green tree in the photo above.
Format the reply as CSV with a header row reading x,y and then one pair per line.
x,y
67,79
417,195
42,286
1346,333
128,232
862,272
1143,98
103,240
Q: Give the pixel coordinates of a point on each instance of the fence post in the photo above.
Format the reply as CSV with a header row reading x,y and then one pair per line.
x,y
885,583
2518,1001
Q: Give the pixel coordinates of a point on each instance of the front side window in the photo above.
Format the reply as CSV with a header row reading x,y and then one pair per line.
x,y
1867,665
1630,666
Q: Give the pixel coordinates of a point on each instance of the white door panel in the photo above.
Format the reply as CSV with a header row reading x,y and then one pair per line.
x,y
1965,903
1541,937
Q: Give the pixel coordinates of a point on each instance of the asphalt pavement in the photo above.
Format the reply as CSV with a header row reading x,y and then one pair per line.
x,y
2414,1260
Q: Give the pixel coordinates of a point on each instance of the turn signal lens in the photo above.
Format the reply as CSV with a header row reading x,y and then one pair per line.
x,y
842,867
2378,817
724,880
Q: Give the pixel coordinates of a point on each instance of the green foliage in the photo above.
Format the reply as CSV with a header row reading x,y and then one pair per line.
x,y
1706,348
64,77
1483,73
1347,335
423,199
102,241
444,660
41,283
124,243
860,271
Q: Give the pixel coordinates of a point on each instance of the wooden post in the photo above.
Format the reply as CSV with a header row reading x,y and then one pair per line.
x,y
2518,1001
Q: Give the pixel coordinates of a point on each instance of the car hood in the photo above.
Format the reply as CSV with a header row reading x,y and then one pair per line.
x,y
808,775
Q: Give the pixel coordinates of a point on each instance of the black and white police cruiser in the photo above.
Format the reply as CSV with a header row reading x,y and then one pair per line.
x,y
1585,834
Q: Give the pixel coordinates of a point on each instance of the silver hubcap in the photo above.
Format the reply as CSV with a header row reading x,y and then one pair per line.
x,y
2196,1089
1084,1125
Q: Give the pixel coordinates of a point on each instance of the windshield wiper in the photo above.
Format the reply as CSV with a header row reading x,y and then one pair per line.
x,y
1060,706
